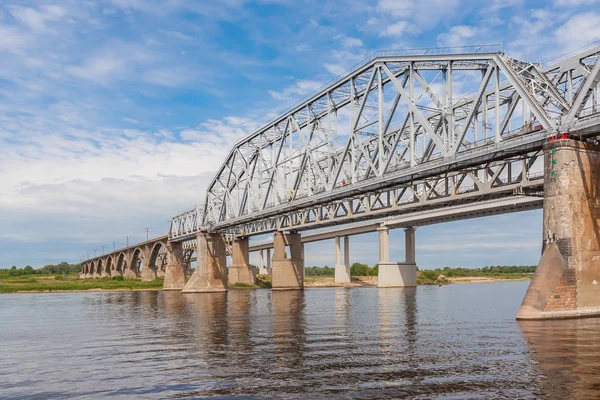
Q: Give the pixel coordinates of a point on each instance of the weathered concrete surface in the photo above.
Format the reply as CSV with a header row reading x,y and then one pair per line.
x,y
147,274
129,274
287,273
210,274
342,270
567,282
240,271
175,272
342,273
394,274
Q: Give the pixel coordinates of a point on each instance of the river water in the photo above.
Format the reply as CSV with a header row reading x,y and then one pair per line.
x,y
453,342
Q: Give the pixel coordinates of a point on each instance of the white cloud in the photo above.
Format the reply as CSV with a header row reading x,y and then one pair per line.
x,y
396,29
579,30
573,3
460,35
349,42
297,90
422,14
116,60
335,69
395,8
37,19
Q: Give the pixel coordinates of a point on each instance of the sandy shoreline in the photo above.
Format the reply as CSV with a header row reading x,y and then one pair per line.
x,y
310,282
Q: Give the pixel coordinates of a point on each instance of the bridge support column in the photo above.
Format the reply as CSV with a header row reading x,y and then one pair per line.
x,y
288,273
240,271
396,274
342,271
566,283
210,274
269,267
148,273
175,275
262,270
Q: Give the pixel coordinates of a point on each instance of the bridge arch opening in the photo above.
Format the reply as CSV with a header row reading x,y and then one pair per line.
x,y
189,261
121,264
137,262
100,267
158,259
109,265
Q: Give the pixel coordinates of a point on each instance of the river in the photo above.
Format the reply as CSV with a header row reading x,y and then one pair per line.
x,y
452,342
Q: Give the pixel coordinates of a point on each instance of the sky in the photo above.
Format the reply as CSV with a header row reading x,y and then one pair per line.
x,y
115,114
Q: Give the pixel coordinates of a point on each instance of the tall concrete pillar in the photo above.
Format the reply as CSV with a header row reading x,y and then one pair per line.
x,y
269,267
409,241
175,272
262,270
396,274
342,270
288,272
566,283
240,271
211,259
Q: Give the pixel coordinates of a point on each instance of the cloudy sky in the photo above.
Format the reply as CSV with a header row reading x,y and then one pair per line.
x,y
115,114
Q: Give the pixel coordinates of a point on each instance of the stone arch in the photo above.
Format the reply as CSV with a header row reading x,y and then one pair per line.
x,y
136,264
137,260
108,267
93,268
120,264
99,267
158,258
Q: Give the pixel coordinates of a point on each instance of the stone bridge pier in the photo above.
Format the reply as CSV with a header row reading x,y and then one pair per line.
x,y
175,271
240,271
288,269
211,263
566,283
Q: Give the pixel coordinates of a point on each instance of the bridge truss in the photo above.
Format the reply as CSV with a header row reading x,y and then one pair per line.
x,y
400,133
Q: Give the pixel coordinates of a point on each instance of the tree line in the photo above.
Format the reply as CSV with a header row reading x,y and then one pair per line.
x,y
63,268
356,269
359,269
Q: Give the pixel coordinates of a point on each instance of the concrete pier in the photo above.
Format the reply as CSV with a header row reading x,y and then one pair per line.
x,y
240,271
288,271
566,283
175,272
342,270
396,274
210,274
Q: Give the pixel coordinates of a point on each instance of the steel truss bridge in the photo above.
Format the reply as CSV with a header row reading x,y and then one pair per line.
x,y
402,133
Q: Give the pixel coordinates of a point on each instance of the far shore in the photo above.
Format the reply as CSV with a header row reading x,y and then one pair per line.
x,y
47,284
367,281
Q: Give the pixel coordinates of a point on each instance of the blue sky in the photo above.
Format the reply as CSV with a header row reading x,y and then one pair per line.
x,y
115,114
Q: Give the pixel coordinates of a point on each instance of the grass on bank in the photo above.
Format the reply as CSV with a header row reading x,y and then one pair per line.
x,y
71,282
262,282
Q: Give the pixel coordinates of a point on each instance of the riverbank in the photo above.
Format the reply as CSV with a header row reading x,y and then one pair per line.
x,y
32,284
366,281
70,283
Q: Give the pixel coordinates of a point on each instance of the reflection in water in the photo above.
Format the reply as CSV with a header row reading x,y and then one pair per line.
x,y
568,354
457,341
